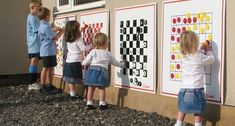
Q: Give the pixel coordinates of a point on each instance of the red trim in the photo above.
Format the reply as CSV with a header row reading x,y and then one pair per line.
x,y
61,17
132,7
222,50
91,13
175,1
161,75
168,93
214,100
133,87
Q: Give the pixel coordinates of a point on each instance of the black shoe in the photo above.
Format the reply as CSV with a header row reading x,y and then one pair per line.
x,y
50,87
90,107
43,88
76,97
103,107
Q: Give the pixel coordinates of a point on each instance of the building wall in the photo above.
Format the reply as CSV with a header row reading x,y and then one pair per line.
x,y
13,49
217,115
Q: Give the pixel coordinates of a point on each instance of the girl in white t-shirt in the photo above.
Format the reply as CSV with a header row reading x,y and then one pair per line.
x,y
72,73
191,97
97,74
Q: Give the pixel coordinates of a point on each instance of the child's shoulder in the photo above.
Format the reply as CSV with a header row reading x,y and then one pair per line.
x,y
32,17
103,50
100,51
79,40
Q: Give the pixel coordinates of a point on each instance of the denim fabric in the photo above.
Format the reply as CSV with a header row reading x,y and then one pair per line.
x,y
72,73
97,76
192,101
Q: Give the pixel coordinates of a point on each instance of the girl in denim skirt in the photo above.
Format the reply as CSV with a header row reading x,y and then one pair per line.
x,y
191,97
72,73
97,74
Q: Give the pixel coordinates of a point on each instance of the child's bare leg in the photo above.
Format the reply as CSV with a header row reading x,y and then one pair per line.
x,y
34,61
71,87
49,76
86,92
90,93
102,96
72,91
43,76
198,119
180,119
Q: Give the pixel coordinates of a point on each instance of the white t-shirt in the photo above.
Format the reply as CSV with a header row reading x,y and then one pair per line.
x,y
75,50
193,68
101,58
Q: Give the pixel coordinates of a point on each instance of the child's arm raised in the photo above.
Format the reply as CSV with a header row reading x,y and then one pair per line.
x,y
59,34
55,29
83,47
207,57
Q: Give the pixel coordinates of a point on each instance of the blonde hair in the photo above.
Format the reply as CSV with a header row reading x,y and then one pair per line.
x,y
189,42
43,13
34,3
100,40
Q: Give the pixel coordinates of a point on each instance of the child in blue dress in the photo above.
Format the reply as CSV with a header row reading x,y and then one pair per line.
x,y
97,74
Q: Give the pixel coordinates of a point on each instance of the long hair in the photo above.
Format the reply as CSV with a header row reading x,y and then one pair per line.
x,y
72,31
189,42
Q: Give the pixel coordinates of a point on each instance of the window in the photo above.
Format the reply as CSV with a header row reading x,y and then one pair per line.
x,y
79,2
65,6
63,2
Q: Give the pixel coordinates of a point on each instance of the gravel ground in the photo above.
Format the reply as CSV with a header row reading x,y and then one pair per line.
x,y
20,107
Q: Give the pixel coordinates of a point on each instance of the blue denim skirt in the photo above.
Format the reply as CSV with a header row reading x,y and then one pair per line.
x,y
72,73
97,76
192,101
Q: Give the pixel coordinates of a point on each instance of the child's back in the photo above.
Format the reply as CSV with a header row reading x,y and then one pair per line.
x,y
101,58
33,41
75,50
193,68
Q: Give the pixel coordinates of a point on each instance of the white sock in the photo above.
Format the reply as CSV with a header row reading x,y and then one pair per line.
x,y
179,123
102,103
72,93
198,124
89,102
